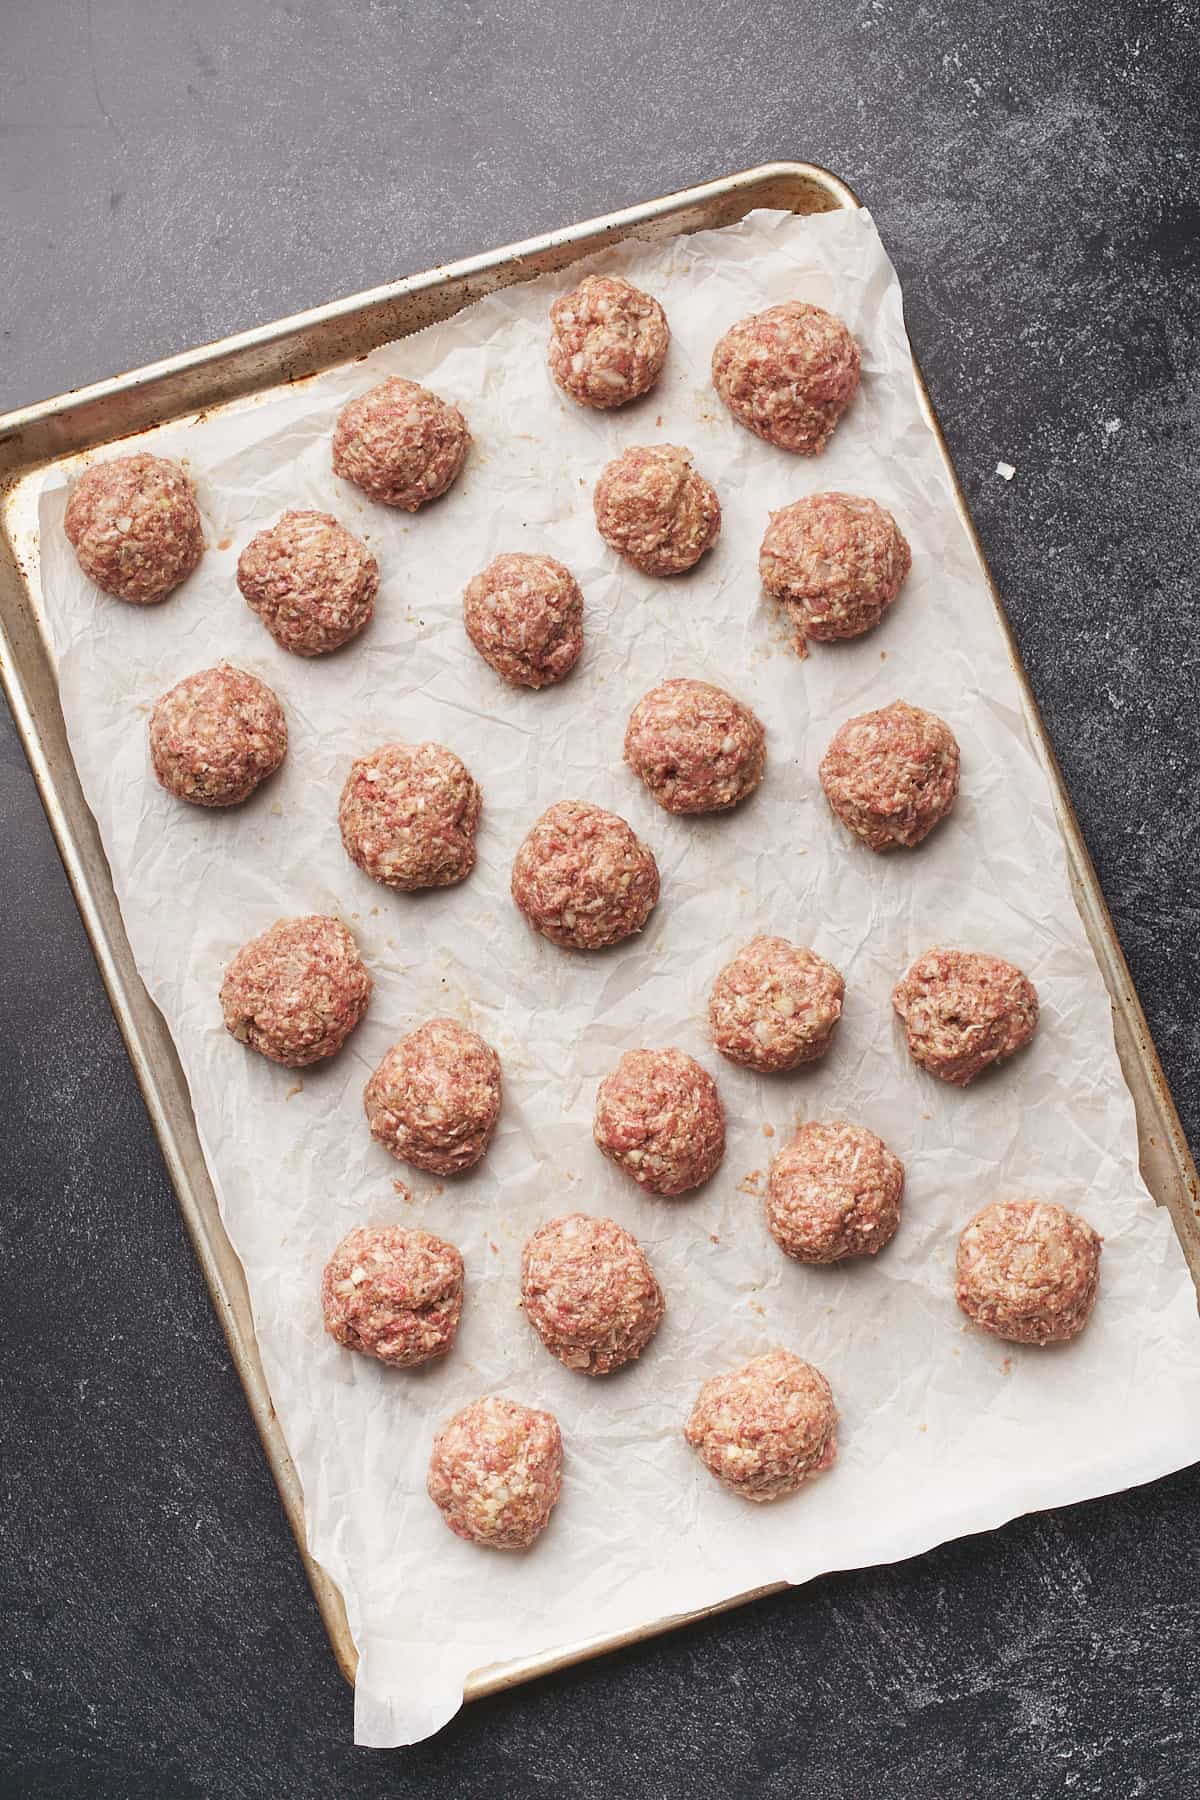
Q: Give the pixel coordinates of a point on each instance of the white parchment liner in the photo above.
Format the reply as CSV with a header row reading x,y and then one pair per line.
x,y
944,1430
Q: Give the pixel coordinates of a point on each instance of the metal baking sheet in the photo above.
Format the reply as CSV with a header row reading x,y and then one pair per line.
x,y
31,440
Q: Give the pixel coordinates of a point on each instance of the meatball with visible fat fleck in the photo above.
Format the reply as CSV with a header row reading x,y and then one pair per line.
x,y
767,1428
393,1294
834,1191
659,1117
963,1011
788,374
408,816
296,993
1027,1270
216,735
435,1098
892,775
775,1006
311,582
836,562
608,341
696,748
400,443
654,509
583,879
496,1472
135,527
590,1293
524,615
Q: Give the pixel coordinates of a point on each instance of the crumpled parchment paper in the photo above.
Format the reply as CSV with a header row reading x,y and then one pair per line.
x,y
944,1431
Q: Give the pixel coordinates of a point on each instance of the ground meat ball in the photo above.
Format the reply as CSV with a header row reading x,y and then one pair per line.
x,y
659,1117
215,735
963,1010
435,1098
135,527
524,615
311,582
583,879
589,1293
767,1428
656,510
496,1472
608,341
775,1005
408,816
834,1191
696,748
788,374
393,1294
836,562
296,993
1028,1270
401,444
892,775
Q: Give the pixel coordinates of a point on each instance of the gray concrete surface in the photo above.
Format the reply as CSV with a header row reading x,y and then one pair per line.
x,y
172,172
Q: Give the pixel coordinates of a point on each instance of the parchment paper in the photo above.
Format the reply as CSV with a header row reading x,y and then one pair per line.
x,y
944,1431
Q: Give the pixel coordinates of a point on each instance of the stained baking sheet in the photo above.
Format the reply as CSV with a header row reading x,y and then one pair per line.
x,y
970,1430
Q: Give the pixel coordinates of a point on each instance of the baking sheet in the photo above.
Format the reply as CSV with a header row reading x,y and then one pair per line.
x,y
943,1432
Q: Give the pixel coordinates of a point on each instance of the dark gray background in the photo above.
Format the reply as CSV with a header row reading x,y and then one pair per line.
x,y
173,171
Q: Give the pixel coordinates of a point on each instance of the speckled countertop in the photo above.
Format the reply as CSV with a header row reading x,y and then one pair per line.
x,y
174,172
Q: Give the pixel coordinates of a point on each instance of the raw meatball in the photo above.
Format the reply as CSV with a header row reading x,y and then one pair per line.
x,y
583,879
401,444
524,615
608,341
891,775
496,1472
296,993
435,1098
659,1117
1028,1270
963,1010
767,1428
836,562
589,1293
135,527
408,816
788,374
775,1005
393,1294
696,748
834,1191
215,735
311,582
655,510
